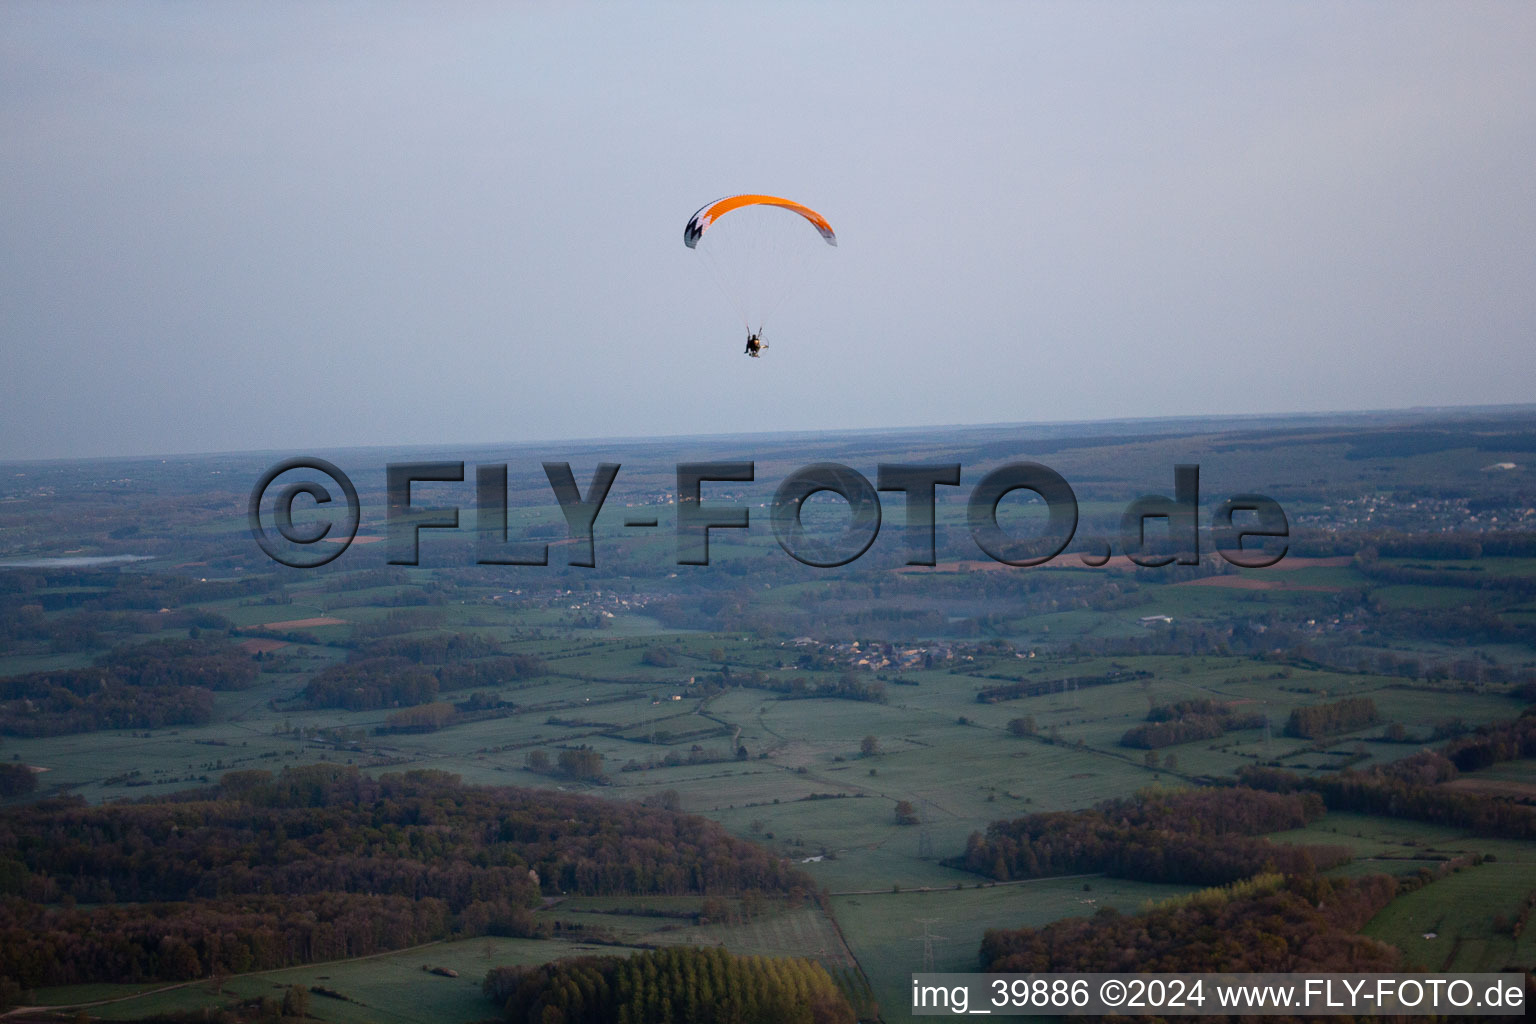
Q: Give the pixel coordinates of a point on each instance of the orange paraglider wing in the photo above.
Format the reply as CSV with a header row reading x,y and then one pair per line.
x,y
700,222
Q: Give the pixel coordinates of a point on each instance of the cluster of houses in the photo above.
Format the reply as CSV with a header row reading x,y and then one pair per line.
x,y
606,605
875,656
1420,514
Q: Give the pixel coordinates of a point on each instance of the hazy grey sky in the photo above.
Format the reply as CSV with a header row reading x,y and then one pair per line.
x,y
251,226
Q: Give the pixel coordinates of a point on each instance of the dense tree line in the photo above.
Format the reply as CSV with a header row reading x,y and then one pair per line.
x,y
372,683
1457,546
1305,654
1330,719
1461,547
71,701
847,686
660,657
16,779
1457,576
207,663
1187,721
1203,836
87,629
368,682
1300,923
1463,626
46,946
56,589
705,986
141,686
1043,687
1490,744
244,873
1409,788
429,649
581,763
1254,634
1156,735
420,718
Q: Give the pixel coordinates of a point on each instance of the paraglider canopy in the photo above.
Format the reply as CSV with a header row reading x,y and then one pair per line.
x,y
760,254
708,214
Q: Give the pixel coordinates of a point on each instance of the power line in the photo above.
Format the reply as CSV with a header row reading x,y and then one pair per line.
x,y
925,833
928,940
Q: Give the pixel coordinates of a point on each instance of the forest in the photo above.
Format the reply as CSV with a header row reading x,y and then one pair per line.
x,y
1157,837
402,671
151,685
1267,924
323,862
707,986
1340,716
1041,687
1406,789
1188,720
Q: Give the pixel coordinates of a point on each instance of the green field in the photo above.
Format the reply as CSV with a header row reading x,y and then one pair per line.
x,y
887,929
392,988
1449,924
